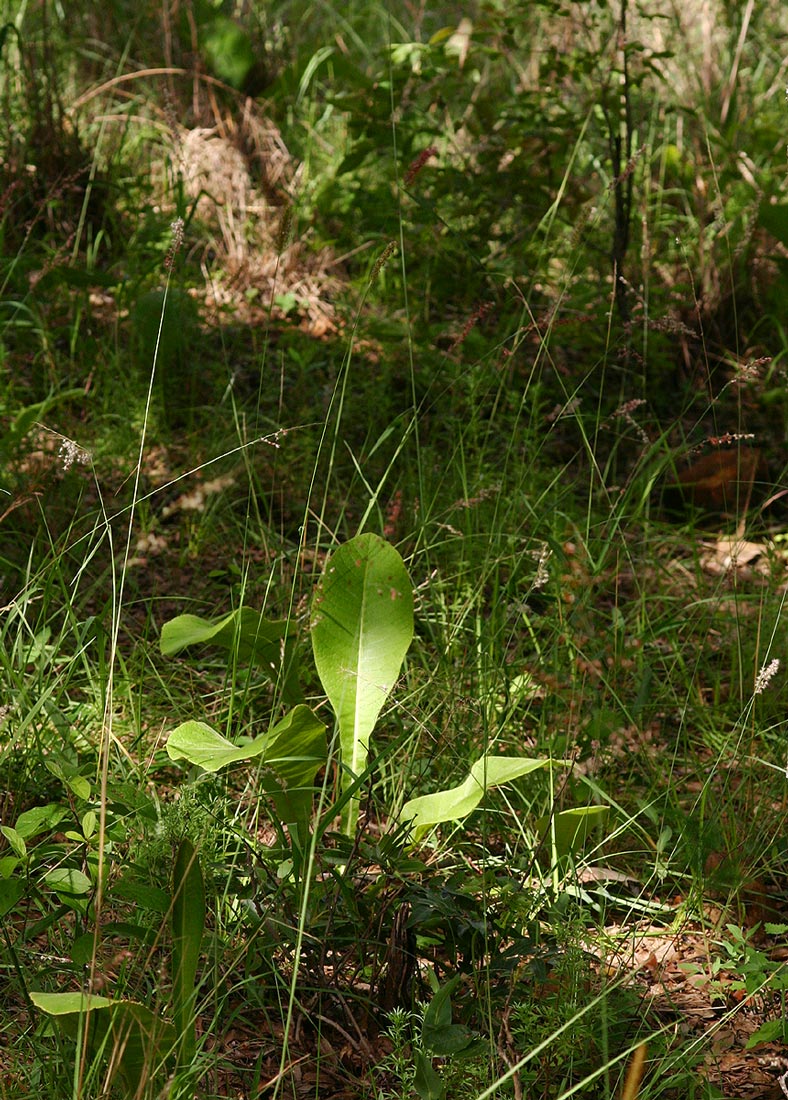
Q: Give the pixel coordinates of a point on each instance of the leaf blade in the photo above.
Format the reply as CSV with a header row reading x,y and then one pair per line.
x,y
362,628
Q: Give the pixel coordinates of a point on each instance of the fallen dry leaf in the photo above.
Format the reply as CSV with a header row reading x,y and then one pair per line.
x,y
731,554
720,481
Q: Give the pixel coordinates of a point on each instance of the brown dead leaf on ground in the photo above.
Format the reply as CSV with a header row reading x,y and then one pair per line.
x,y
735,554
720,481
700,1003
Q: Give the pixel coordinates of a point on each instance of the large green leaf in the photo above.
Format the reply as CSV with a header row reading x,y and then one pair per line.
x,y
457,802
40,819
439,1036
188,922
68,881
427,1082
141,894
269,644
295,750
71,1004
134,1039
362,626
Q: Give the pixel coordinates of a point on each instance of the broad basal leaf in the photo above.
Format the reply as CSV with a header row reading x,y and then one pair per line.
x,y
188,922
362,627
134,1040
457,802
295,750
269,644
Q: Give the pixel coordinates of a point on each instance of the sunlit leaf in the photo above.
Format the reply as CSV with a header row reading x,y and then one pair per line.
x,y
269,644
362,628
457,802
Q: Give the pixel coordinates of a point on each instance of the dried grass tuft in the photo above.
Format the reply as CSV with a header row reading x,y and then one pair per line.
x,y
243,181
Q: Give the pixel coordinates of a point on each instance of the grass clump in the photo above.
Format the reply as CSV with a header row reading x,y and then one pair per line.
x,y
392,552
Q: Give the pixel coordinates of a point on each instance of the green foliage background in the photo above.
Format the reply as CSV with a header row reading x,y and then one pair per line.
x,y
481,283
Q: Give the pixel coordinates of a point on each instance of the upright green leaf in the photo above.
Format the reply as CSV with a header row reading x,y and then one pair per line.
x,y
362,627
16,841
426,1080
439,1036
188,922
572,827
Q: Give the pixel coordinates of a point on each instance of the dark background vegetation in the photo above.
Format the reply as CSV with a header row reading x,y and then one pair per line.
x,y
505,284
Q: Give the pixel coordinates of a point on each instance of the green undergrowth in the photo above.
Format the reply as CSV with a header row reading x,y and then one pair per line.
x,y
373,674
